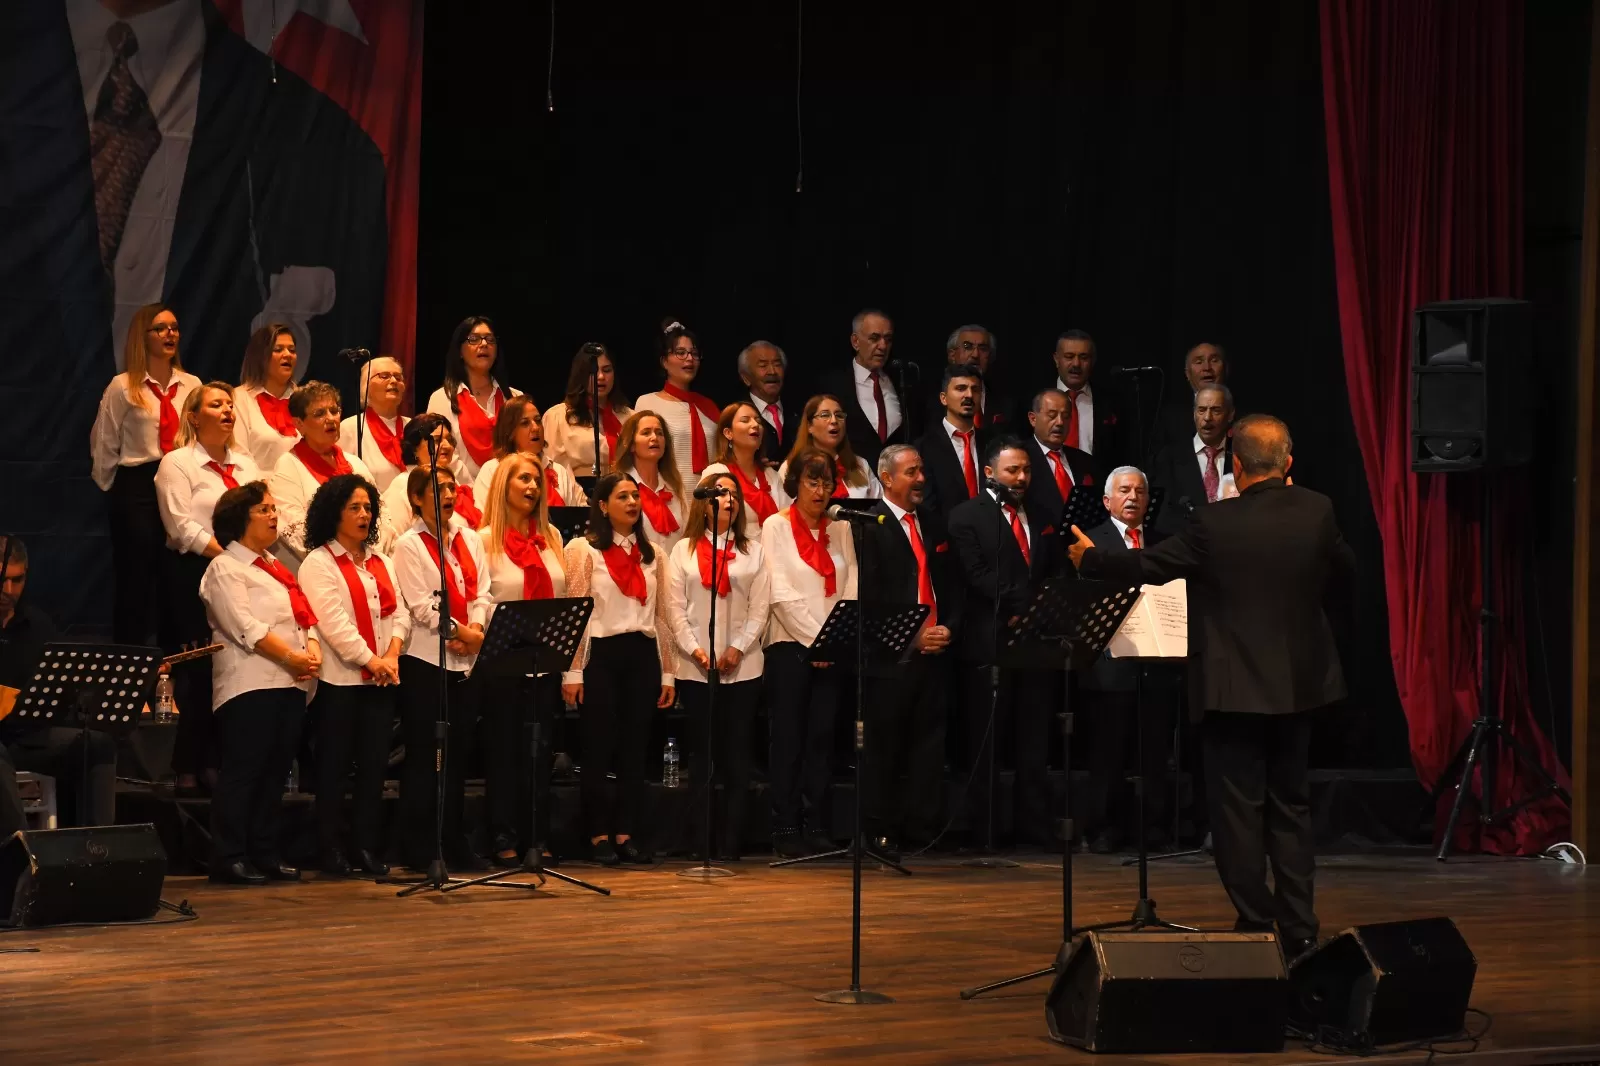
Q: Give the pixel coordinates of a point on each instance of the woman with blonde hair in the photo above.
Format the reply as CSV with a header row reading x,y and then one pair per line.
x,y
138,423
644,453
822,428
266,429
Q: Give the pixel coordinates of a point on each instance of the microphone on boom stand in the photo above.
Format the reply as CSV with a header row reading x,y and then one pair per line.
x,y
362,358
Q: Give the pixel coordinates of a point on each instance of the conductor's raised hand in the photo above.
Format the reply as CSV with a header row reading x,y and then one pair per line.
x,y
1079,545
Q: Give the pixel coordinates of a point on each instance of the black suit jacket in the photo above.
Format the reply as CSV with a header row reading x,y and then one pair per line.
x,y
1000,412
773,448
941,461
1177,473
861,426
1259,568
975,535
1043,495
888,568
1108,436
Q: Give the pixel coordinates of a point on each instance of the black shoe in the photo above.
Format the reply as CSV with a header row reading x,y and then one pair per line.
x,y
1296,946
467,861
369,863
279,871
885,847
818,842
632,854
334,864
603,853
238,873
786,844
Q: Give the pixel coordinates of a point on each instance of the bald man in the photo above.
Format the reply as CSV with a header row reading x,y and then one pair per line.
x,y
1261,656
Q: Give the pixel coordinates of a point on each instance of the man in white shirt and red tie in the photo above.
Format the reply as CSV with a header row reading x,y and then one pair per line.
x,y
762,366
1091,419
952,448
315,458
1197,471
1057,468
875,410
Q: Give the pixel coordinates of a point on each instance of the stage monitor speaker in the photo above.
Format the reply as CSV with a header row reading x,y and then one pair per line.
x,y
1170,992
110,873
1471,387
1390,983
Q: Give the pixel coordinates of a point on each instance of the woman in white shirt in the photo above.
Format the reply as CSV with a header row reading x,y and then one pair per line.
x,y
812,564
136,425
315,458
203,464
731,562
363,628
396,515
822,427
518,431
569,425
739,434
470,397
416,564
380,422
644,453
691,419
526,562
266,429
264,674
625,668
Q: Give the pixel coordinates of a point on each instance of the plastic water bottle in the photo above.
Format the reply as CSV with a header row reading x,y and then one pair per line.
x,y
669,764
164,711
293,784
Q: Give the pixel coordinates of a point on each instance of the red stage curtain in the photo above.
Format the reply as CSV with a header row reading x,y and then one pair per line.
x,y
1423,104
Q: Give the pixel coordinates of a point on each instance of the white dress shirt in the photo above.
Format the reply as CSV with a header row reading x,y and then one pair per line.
x,y
187,491
171,44
439,404
800,603
614,613
127,434
293,485
1122,529
244,603
572,494
1220,463
665,541
253,434
573,446
741,614
870,491
761,405
677,414
383,471
891,398
1085,415
417,578
752,524
344,650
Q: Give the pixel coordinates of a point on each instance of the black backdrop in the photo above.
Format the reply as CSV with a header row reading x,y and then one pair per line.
x,y
1154,174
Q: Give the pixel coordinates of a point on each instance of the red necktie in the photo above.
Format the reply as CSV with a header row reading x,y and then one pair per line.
x,y
698,454
169,414
777,419
387,440
924,575
303,616
467,587
1209,476
358,597
724,559
883,411
626,571
1072,417
657,508
1020,533
224,472
969,466
1059,468
525,550
1133,537
276,412
477,425
319,466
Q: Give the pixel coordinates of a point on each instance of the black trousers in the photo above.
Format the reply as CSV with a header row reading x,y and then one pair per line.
x,y
257,734
802,702
1116,725
138,541
727,743
419,784
1260,799
58,752
1023,721
620,686
904,736
354,724
183,621
510,707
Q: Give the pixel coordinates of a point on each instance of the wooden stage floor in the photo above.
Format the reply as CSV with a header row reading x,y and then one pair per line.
x,y
672,970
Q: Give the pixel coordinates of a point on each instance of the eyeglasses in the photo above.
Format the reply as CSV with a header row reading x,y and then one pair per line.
x,y
387,375
481,340
830,416
163,330
685,353
970,346
264,510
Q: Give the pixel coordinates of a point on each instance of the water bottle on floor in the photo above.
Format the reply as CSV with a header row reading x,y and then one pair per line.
x,y
164,713
669,764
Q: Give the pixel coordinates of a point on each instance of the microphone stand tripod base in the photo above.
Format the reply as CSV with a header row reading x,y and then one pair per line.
x,y
855,996
990,862
438,877
708,873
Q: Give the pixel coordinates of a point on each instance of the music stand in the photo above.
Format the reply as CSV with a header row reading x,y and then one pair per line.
x,y
570,522
1067,625
526,638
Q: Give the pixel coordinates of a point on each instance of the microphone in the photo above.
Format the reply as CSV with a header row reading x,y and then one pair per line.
x,y
852,514
1115,371
1006,494
593,350
711,492
355,355
902,364
1185,505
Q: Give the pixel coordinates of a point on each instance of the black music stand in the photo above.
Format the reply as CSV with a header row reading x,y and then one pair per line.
x,y
1067,625
526,638
570,522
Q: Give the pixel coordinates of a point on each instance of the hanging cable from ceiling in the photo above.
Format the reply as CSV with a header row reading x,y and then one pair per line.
x,y
550,69
799,67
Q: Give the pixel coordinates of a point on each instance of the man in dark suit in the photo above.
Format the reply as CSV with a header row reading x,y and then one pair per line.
x,y
907,559
974,346
952,449
1120,697
1204,364
1196,470
762,367
1261,655
1057,469
1091,415
876,413
1005,552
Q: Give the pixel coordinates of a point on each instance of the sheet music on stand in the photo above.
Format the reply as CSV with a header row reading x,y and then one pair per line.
x,y
1085,508
1157,626
101,686
570,522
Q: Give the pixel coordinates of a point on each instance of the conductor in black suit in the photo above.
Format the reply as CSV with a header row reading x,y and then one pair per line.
x,y
903,560
876,412
1005,551
952,448
1197,469
762,367
1261,655
1057,469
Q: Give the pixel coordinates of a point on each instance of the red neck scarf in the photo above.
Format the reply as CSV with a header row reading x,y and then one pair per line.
x,y
758,494
467,507
656,508
724,558
358,596
463,591
523,549
813,548
387,440
169,414
303,616
697,432
225,473
610,427
552,487
627,571
320,468
477,425
276,412
841,487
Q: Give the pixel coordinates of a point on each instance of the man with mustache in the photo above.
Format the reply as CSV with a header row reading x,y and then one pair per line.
x,y
762,366
1197,469
1204,364
1091,418
952,449
876,412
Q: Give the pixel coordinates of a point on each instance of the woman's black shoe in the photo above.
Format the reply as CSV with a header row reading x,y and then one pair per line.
x,y
634,855
238,873
467,862
369,863
279,871
603,853
334,864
